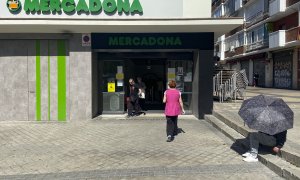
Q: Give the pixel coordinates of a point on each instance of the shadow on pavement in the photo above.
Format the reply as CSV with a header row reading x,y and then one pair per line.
x,y
239,146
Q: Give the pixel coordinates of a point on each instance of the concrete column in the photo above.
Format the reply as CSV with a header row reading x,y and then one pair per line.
x,y
205,86
80,79
295,68
238,66
251,72
269,73
31,80
44,79
195,92
14,80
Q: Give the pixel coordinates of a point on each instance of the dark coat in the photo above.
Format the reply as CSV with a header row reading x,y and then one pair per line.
x,y
133,94
280,138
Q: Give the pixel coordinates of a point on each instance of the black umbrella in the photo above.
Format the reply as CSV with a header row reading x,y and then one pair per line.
x,y
267,114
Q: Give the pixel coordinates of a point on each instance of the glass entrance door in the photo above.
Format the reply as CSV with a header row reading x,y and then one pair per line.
x,y
155,69
152,73
182,72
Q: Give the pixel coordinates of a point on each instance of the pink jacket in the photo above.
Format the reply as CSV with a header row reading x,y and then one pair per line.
x,y
172,104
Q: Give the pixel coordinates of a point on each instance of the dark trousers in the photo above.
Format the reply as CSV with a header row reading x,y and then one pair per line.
x,y
133,106
142,103
172,127
255,82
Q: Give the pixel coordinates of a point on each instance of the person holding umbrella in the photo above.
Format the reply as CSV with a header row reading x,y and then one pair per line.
x,y
271,117
276,141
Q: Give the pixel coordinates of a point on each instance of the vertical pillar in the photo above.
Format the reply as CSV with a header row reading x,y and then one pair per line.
x,y
205,96
295,68
251,72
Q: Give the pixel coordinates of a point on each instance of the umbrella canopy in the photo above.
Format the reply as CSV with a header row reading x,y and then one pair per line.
x,y
267,114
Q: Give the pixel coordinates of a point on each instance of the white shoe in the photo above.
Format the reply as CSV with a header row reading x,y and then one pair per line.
x,y
246,154
250,159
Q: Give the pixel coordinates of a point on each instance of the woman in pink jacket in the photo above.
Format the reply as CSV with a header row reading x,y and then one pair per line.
x,y
174,107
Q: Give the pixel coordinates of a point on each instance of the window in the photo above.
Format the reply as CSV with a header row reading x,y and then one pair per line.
x,y
229,7
260,34
256,35
218,12
240,40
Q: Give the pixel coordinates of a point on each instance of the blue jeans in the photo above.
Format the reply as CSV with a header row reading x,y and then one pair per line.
x,y
257,138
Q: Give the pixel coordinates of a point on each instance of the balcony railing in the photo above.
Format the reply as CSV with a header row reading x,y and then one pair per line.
x,y
277,6
257,45
216,4
235,51
219,10
292,34
254,18
277,39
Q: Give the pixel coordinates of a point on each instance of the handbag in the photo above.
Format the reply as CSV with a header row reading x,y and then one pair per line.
x,y
142,95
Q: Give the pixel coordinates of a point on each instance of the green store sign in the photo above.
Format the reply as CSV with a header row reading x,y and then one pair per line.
x,y
144,41
82,6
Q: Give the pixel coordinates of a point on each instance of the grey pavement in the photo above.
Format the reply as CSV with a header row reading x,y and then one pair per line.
x,y
119,148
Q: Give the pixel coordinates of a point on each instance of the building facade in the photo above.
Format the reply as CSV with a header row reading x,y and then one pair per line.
x,y
70,60
266,44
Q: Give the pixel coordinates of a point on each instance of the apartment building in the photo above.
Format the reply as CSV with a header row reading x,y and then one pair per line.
x,y
266,44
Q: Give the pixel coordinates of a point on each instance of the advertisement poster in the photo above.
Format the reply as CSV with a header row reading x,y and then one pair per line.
x,y
171,74
180,71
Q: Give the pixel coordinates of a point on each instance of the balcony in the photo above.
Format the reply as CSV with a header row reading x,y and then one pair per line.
x,y
258,16
216,4
292,34
291,2
257,45
277,6
234,52
277,39
217,13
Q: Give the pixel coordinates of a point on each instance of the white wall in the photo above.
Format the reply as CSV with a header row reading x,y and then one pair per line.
x,y
197,8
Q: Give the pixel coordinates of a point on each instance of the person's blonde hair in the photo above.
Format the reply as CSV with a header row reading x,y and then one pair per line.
x,y
172,84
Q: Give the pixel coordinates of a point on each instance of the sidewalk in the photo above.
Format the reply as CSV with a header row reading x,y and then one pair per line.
x,y
227,112
113,148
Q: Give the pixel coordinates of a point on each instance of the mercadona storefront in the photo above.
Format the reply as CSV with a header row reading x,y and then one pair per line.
x,y
71,59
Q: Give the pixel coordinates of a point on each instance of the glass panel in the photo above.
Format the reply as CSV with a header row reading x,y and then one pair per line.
x,y
113,86
182,72
113,75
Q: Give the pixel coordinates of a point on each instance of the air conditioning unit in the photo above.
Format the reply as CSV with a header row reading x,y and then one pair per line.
x,y
231,49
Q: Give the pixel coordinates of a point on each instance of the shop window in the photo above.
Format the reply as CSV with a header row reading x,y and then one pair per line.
x,y
182,72
113,86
